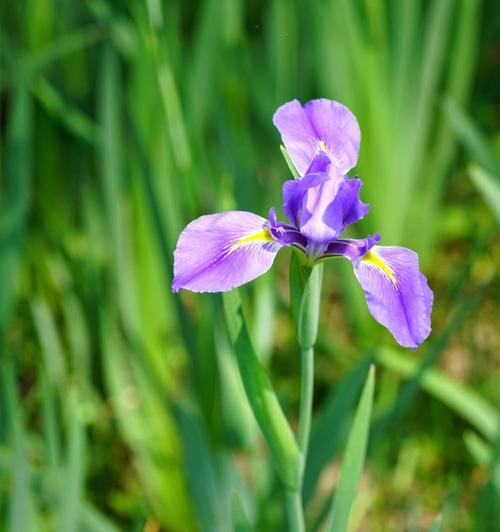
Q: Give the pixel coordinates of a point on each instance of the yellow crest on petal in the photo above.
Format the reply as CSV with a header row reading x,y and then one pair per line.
x,y
263,235
373,259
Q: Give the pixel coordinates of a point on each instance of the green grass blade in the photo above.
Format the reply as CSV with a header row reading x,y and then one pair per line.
x,y
71,494
92,520
48,336
289,162
462,400
352,464
70,116
14,196
19,516
481,451
475,143
241,521
20,505
488,187
436,527
202,475
330,426
260,394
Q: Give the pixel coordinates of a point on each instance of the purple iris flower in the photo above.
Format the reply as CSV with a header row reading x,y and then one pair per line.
x,y
218,252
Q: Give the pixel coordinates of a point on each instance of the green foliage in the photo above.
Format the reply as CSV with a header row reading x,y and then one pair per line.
x,y
354,457
267,411
122,406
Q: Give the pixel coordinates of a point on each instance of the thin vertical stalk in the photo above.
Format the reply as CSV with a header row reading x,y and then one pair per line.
x,y
306,398
294,511
305,290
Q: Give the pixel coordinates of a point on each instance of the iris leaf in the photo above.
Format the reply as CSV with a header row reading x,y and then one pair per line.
x,y
289,162
261,396
465,402
488,187
352,464
330,426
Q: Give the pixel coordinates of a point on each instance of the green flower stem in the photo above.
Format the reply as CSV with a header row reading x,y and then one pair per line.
x,y
305,295
307,332
306,399
294,511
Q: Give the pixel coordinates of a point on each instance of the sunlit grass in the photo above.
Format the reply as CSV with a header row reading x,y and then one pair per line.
x,y
121,405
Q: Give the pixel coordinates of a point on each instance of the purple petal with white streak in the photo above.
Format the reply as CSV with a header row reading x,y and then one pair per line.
x,y
214,252
402,303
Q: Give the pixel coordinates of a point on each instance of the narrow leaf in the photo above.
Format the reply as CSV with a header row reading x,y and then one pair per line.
x,y
352,465
326,441
465,402
289,162
488,187
260,394
436,527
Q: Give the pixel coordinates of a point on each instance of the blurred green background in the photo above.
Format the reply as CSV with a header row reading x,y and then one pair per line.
x,y
121,406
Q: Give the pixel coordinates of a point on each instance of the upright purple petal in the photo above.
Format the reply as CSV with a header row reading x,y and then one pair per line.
x,y
397,294
319,126
297,134
218,252
321,206
295,194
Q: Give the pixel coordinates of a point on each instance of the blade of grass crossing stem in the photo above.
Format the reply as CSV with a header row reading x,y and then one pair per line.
x,y
261,396
326,442
354,457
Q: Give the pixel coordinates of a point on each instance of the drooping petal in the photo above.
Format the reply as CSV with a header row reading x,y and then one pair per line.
x,y
218,252
351,248
397,293
319,126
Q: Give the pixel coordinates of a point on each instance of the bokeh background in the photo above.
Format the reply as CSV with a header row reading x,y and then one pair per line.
x,y
121,406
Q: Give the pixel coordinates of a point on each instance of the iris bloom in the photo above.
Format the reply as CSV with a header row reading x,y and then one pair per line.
x,y
218,252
